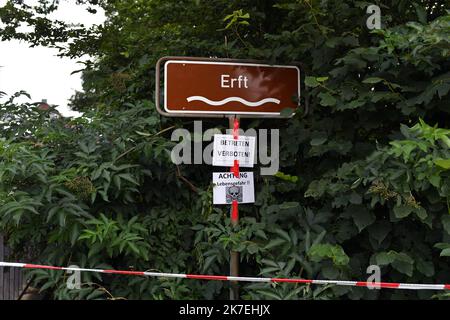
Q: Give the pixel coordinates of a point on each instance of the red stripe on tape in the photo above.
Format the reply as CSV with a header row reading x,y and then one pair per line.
x,y
38,266
291,280
392,285
447,286
362,284
377,284
133,273
206,277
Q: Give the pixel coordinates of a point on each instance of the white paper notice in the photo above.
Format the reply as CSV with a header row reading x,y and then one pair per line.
x,y
228,188
227,149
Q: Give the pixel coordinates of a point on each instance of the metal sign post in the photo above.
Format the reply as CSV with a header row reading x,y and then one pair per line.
x,y
234,216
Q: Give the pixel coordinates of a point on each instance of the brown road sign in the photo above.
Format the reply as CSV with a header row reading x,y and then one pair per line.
x,y
211,87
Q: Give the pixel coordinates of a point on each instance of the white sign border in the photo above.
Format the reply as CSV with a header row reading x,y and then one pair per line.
x,y
222,63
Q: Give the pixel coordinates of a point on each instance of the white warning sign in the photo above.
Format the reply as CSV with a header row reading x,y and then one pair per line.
x,y
228,188
227,149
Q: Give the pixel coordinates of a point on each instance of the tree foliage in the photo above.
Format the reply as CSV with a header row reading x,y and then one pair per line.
x,y
364,177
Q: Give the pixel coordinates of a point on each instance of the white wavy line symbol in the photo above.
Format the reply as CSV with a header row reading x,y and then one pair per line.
x,y
230,99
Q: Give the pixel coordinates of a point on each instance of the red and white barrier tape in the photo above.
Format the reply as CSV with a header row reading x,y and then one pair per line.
x,y
387,285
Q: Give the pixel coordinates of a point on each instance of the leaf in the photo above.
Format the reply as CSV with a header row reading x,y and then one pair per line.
x,y
362,217
46,286
442,245
421,13
83,147
445,253
372,80
403,263
405,130
133,247
283,234
77,71
355,198
354,104
326,99
322,79
443,163
252,248
228,17
435,180
446,222
260,233
208,261
402,211
399,261
128,177
318,252
384,258
274,243
95,294
425,267
311,82
286,177
269,270
421,213
104,195
270,263
319,238
318,141
74,234
379,231
330,272
116,180
30,208
94,249
269,294
293,293
145,134
289,205
308,241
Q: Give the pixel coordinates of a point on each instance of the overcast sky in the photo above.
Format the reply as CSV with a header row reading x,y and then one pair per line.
x,y
38,70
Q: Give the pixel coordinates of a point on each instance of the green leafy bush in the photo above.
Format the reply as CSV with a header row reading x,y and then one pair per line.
x,y
364,178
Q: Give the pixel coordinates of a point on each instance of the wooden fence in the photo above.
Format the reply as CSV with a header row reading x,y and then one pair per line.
x,y
11,279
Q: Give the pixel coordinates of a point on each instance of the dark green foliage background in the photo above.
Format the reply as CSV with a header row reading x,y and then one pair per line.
x,y
364,176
